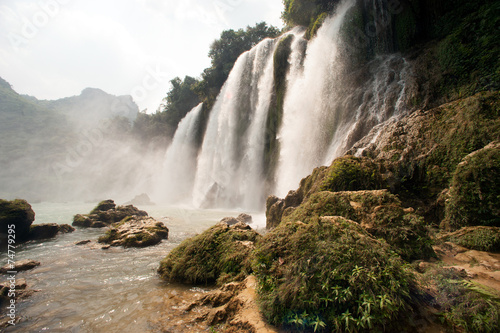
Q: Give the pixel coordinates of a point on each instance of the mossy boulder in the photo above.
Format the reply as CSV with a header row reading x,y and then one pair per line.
x,y
351,173
331,273
105,214
135,232
378,212
18,213
474,197
478,238
220,254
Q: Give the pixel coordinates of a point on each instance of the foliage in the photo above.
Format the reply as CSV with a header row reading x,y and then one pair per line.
x,y
475,194
224,52
179,101
330,273
477,238
218,255
468,55
305,12
466,305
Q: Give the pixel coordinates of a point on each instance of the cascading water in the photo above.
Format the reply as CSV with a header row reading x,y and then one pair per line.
x,y
329,105
179,166
326,109
230,165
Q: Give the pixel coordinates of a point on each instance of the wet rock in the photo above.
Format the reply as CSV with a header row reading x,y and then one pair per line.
x,y
16,213
20,266
48,230
105,214
84,242
135,232
141,200
245,218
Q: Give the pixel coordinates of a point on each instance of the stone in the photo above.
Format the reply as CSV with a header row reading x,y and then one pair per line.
x,y
135,232
245,218
20,266
105,214
16,213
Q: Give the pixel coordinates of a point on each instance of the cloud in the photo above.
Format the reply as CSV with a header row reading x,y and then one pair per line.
x,y
114,45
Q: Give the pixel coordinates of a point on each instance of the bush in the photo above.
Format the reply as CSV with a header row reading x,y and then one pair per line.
x,y
330,273
464,305
219,255
477,238
475,194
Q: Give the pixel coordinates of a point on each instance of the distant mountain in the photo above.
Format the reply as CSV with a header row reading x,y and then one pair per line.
x,y
47,146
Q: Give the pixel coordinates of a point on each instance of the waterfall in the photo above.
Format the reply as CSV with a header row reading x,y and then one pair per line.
x,y
329,105
253,147
179,165
230,164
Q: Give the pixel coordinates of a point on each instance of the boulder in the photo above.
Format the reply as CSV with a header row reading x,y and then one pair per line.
x,y
326,268
16,213
20,266
220,254
48,230
141,200
105,214
245,218
135,232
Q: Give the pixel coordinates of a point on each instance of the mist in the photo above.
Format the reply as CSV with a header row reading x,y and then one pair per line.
x,y
80,148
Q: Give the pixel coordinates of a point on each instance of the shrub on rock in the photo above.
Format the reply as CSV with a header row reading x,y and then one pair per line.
x,y
379,212
475,191
332,273
220,254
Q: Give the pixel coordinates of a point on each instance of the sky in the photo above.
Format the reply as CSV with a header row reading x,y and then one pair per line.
x,y
52,49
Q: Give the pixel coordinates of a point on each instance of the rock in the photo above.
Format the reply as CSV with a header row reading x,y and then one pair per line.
x,y
48,230
84,242
104,206
66,229
379,212
234,306
304,264
105,214
20,266
135,232
218,255
474,193
245,218
18,213
229,221
141,200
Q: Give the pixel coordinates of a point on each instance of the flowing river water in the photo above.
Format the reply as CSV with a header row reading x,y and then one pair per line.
x,y
80,289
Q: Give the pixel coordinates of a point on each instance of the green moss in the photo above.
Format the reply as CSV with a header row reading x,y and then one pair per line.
x,y
350,173
475,194
315,25
330,271
218,255
379,212
103,206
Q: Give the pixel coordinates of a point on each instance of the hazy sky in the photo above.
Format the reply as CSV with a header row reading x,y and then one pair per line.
x,y
55,48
